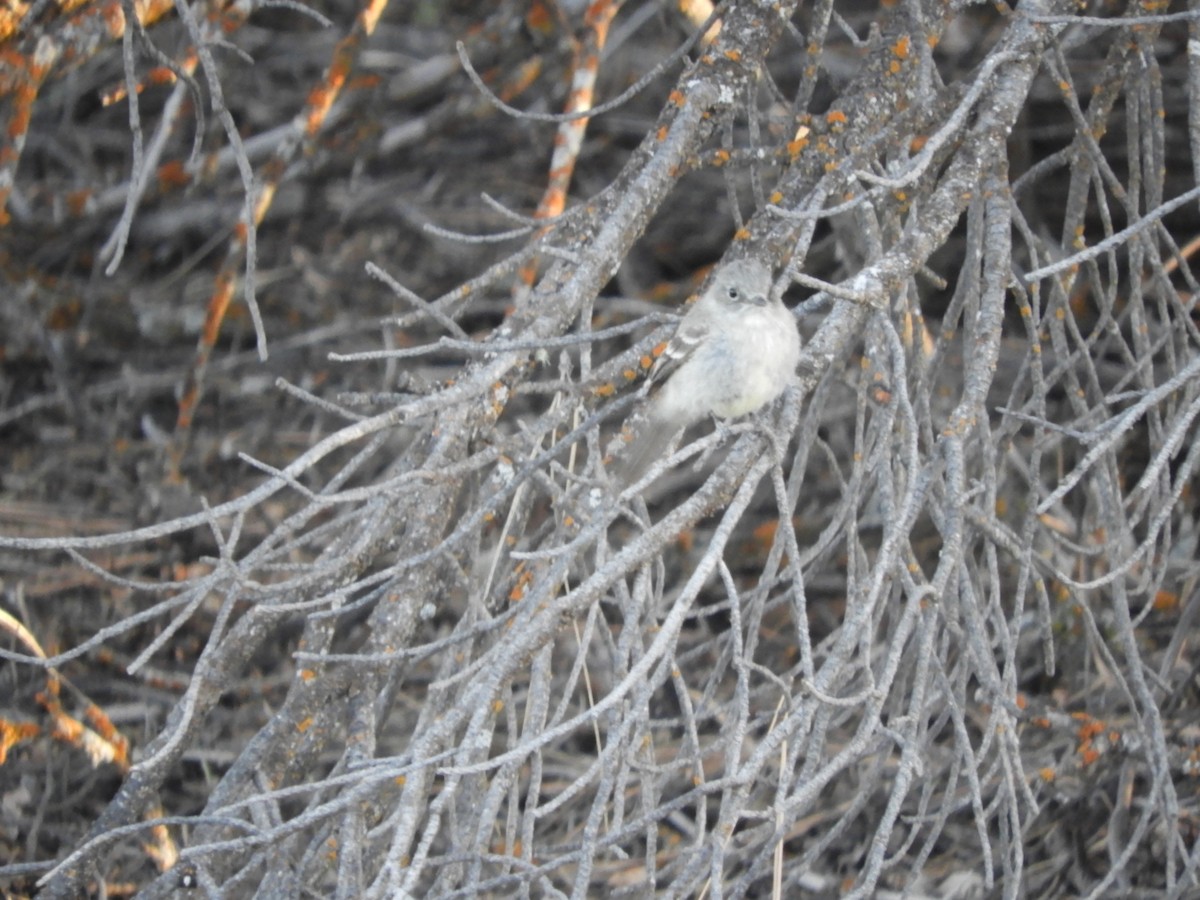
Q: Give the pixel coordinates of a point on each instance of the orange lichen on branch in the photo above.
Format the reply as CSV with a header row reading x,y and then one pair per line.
x,y
70,730
11,15
1089,729
538,18
23,98
13,733
218,304
686,540
698,12
114,17
795,147
78,201
1166,601
524,579
519,81
107,732
172,175
345,54
157,76
836,119
161,846
763,536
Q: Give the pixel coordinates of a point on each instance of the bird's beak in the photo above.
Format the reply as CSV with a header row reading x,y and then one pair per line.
x,y
759,300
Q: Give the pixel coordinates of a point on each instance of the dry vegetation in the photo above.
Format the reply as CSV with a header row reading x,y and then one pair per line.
x,y
313,580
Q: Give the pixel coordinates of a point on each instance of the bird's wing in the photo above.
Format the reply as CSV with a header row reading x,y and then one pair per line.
x,y
689,336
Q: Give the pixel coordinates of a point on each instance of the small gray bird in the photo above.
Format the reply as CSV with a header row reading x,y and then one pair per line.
x,y
732,354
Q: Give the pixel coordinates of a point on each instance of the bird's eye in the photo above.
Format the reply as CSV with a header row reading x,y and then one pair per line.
x,y
733,292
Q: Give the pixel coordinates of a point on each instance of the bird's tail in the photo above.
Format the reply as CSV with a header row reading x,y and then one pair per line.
x,y
650,443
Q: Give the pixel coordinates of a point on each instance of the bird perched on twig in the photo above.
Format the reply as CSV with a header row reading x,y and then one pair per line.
x,y
733,353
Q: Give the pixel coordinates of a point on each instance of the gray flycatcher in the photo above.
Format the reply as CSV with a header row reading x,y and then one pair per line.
x,y
733,353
